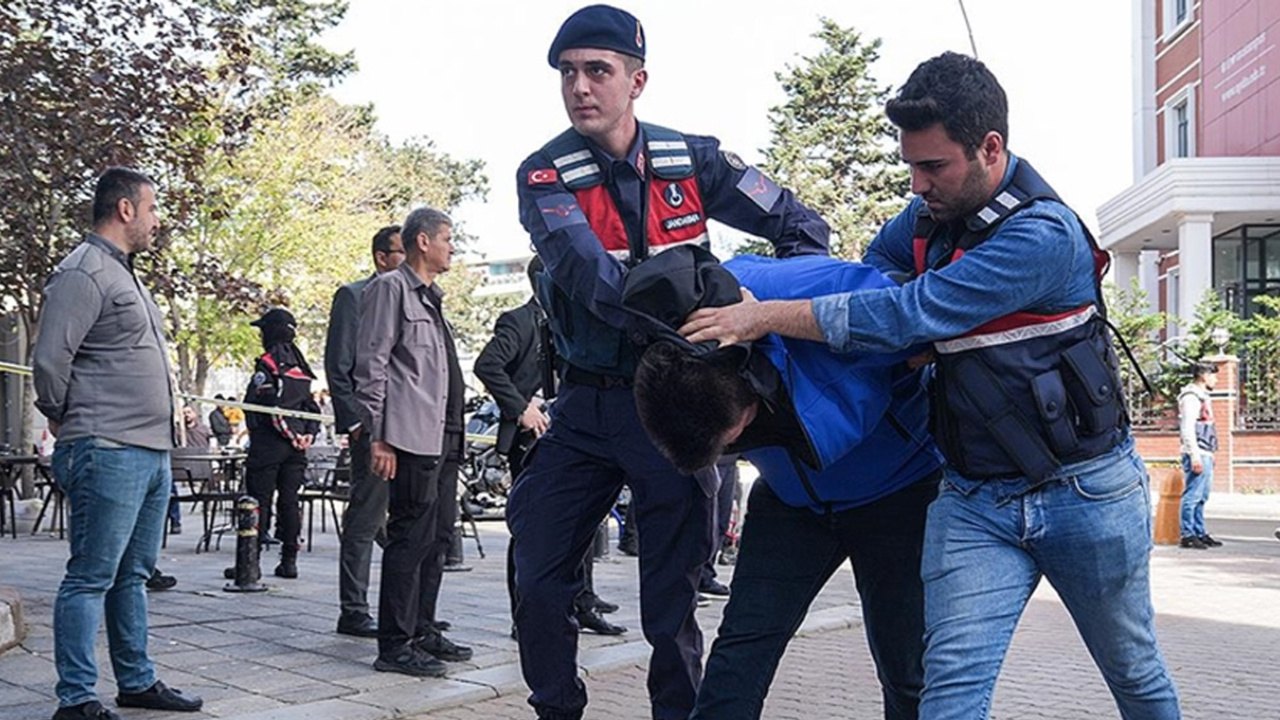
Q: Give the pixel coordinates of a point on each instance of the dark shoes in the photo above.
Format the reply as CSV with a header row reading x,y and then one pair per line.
x,y
92,710
160,581
1278,533
160,697
409,660
175,529
1210,541
629,546
1193,543
604,607
457,567
357,625
595,622
703,600
441,625
714,589
443,648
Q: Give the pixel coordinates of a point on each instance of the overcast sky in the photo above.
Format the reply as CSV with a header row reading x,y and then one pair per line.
x,y
472,76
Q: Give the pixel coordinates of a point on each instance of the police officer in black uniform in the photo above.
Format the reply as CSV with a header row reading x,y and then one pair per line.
x,y
635,189
278,445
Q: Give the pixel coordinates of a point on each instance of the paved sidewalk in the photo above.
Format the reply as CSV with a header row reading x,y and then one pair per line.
x,y
275,655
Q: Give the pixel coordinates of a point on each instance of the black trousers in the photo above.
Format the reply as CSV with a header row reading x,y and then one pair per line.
x,y
275,468
420,500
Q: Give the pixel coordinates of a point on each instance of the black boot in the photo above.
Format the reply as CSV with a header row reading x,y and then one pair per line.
x,y
288,567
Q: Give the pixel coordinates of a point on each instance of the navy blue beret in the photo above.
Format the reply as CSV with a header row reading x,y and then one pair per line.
x,y
599,26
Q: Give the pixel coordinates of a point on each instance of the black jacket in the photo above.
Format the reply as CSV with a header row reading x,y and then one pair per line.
x,y
508,367
340,354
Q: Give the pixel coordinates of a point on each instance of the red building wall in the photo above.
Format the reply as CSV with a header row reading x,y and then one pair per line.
x,y
1240,95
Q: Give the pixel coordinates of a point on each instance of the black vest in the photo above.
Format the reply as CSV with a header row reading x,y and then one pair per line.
x,y
1024,394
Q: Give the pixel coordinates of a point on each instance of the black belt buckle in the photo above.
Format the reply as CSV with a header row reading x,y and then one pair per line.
x,y
579,376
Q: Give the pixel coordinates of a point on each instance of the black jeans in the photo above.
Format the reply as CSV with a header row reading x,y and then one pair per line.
x,y
786,556
413,517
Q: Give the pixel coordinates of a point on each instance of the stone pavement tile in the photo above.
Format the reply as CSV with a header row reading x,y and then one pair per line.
x,y
335,670
11,695
24,669
265,680
503,678
42,710
242,705
424,696
374,681
336,709
304,691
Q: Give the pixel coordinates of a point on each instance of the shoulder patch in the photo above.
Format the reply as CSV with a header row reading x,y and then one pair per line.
x,y
560,210
732,159
259,378
761,190
544,176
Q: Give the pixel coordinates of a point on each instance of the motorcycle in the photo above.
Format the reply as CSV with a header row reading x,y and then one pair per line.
x,y
483,477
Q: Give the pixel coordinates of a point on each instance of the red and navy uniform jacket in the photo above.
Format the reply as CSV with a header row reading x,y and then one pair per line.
x,y
1024,394
284,386
575,199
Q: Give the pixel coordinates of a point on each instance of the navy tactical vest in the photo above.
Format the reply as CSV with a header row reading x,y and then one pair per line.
x,y
582,339
1027,393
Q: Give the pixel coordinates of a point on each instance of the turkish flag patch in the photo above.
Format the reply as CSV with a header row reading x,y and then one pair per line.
x,y
542,177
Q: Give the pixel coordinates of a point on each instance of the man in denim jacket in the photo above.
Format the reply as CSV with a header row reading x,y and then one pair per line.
x,y
1042,480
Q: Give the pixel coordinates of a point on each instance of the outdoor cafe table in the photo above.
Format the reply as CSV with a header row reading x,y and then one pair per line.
x,y
9,466
214,491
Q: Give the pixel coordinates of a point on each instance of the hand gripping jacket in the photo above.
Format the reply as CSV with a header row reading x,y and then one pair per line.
x,y
674,216
1027,393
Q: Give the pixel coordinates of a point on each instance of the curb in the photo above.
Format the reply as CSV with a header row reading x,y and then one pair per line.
x,y
12,629
498,681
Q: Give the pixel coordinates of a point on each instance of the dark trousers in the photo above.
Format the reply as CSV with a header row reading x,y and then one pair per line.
x,y
446,528
413,559
786,556
364,522
728,469
275,467
572,478
583,601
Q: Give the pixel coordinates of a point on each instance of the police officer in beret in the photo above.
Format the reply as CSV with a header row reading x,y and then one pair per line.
x,y
636,189
278,445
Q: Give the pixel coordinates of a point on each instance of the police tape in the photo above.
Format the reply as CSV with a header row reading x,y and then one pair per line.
x,y
15,369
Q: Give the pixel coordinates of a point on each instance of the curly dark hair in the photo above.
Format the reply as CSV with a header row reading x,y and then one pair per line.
x,y
687,404
957,91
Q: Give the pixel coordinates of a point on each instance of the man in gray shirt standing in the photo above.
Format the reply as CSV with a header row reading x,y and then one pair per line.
x,y
102,379
410,390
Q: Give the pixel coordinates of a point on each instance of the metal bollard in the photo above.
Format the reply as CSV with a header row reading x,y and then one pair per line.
x,y
600,548
247,571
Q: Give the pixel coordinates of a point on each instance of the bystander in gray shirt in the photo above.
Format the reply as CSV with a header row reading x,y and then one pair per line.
x,y
402,365
101,364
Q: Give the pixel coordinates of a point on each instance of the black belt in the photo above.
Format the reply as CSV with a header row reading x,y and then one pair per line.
x,y
578,376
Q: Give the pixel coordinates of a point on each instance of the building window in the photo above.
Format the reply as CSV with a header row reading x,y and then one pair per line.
x,y
1177,16
1246,264
1180,125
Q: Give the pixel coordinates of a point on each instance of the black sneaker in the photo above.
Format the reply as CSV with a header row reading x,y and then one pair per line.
x,y
438,645
1210,541
1193,543
92,710
159,581
358,626
160,697
604,607
408,660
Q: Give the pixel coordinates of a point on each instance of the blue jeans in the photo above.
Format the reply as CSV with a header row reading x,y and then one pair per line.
x,y
1195,494
987,545
119,495
787,554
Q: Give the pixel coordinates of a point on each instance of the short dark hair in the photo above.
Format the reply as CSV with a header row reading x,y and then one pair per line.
x,y
420,220
1202,368
113,184
686,404
957,91
382,239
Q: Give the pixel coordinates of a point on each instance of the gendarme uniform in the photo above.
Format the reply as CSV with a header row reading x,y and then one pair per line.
x,y
573,195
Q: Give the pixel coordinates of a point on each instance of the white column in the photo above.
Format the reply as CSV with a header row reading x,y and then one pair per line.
x,y
1195,262
1124,268
1149,278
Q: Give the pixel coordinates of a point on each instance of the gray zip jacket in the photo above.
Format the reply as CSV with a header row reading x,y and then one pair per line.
x,y
101,364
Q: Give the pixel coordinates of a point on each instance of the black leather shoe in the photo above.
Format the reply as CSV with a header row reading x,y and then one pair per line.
x,y
595,622
160,581
92,710
410,661
443,648
442,625
160,697
1193,543
604,607
357,625
714,589
1210,541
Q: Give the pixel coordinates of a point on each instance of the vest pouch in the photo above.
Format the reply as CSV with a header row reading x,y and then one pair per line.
x,y
1093,386
1005,423
1206,436
1051,401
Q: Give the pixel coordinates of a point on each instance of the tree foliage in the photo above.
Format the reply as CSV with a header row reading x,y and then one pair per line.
x,y
832,144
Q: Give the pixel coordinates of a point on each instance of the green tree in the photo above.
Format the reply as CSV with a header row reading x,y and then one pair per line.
x,y
831,142
1138,329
